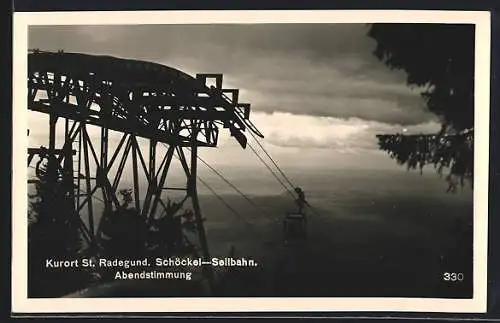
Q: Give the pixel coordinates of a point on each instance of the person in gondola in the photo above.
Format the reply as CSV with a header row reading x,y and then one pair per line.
x,y
301,200
295,224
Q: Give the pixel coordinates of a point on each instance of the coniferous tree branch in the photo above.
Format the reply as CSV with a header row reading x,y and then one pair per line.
x,y
439,59
454,152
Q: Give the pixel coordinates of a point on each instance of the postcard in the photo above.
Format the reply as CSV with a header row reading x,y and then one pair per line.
x,y
250,161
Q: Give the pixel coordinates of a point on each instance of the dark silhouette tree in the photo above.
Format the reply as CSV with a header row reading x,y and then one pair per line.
x,y
439,59
126,234
123,234
168,230
124,231
53,233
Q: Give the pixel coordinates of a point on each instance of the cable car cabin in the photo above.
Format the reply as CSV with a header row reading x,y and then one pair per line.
x,y
294,227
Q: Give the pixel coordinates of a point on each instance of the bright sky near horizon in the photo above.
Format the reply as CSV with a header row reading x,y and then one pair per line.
x,y
317,93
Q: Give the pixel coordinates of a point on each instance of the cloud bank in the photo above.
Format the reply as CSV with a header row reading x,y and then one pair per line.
x,y
314,87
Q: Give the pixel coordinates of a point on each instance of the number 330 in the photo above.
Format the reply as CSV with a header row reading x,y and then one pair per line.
x,y
453,277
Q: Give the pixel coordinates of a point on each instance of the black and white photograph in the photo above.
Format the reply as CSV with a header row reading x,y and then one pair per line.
x,y
239,160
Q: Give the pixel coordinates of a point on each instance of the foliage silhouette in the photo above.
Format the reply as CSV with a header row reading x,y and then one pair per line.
x,y
126,234
53,233
439,59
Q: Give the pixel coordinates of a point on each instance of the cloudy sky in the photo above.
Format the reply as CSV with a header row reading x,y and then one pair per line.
x,y
317,93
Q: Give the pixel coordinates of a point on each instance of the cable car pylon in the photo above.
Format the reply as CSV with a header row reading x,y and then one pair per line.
x,y
137,100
